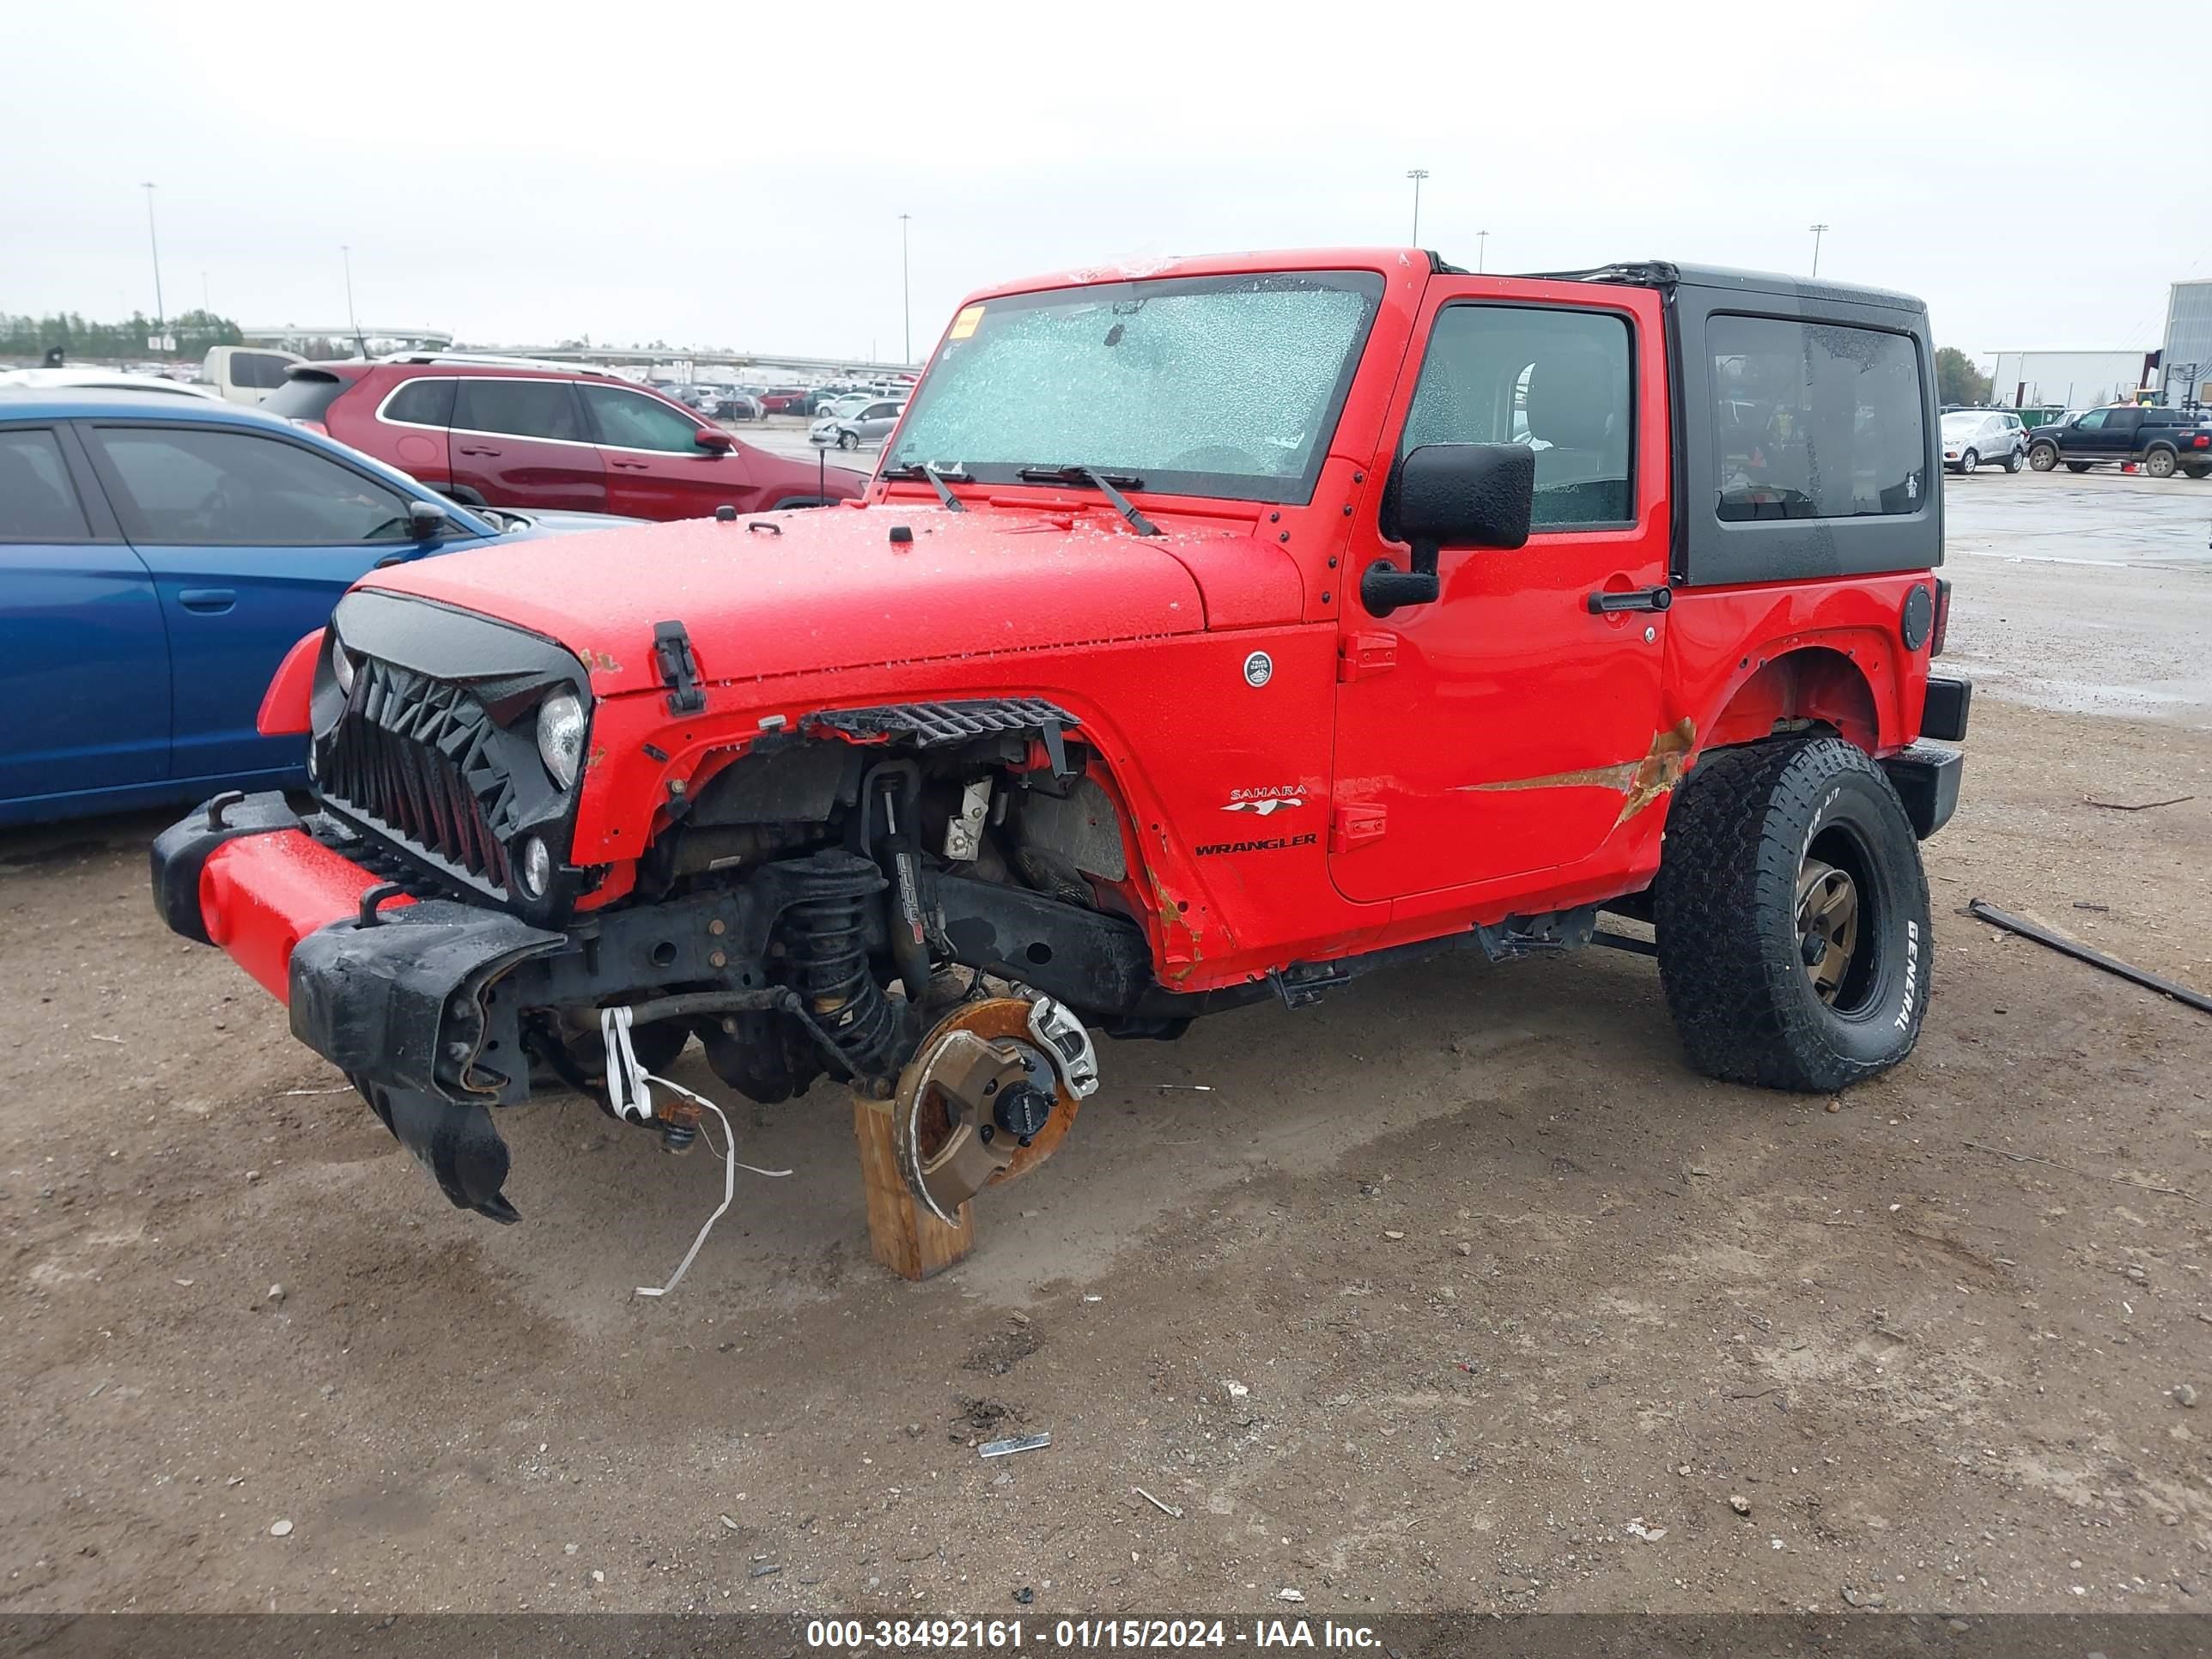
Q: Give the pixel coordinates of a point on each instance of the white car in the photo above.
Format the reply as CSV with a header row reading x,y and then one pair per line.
x,y
100,379
1974,436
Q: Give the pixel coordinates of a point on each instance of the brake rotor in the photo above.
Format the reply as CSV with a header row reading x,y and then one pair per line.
x,y
979,1103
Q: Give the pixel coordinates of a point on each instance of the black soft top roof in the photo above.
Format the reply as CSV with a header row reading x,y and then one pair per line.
x,y
1658,273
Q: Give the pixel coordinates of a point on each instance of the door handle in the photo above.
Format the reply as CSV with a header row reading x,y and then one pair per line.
x,y
1636,598
466,450
207,601
632,466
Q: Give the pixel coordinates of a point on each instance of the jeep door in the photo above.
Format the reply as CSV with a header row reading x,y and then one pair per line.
x,y
84,662
1505,728
250,537
656,468
524,443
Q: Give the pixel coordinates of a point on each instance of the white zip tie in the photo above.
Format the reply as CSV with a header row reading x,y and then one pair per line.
x,y
628,1097
730,1168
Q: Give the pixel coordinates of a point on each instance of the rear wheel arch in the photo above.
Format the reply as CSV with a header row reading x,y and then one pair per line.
x,y
1817,685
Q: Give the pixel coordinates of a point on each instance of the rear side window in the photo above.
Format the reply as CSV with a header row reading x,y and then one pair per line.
x,y
37,503
630,420
1815,420
524,408
306,396
1555,381
262,371
421,403
223,488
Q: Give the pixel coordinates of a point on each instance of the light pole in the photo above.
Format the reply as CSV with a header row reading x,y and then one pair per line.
x,y
1417,174
1817,231
1481,248
345,251
905,291
161,312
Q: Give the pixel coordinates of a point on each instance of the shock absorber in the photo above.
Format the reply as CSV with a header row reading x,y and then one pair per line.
x,y
825,935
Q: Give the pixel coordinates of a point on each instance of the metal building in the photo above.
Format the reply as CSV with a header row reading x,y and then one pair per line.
x,y
2187,362
2069,379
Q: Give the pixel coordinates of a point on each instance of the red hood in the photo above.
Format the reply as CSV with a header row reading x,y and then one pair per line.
x,y
833,590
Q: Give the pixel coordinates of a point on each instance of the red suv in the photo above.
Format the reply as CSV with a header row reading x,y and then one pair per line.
x,y
539,435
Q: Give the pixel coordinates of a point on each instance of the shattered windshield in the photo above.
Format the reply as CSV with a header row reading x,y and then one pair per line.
x,y
1221,385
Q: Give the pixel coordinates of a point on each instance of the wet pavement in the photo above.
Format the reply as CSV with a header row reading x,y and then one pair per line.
x,y
2088,593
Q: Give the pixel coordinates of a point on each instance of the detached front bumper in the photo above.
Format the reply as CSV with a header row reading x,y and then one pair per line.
x,y
403,1000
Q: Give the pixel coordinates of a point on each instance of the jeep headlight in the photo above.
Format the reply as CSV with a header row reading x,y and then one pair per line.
x,y
342,669
561,736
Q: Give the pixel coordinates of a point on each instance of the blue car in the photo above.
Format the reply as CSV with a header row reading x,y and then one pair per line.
x,y
158,556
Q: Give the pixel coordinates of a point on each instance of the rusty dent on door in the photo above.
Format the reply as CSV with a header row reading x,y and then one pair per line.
x,y
1640,781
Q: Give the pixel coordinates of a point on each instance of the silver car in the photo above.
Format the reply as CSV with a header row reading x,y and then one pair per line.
x,y
1975,437
871,424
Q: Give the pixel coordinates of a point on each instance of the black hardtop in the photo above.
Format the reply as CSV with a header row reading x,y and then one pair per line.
x,y
1661,273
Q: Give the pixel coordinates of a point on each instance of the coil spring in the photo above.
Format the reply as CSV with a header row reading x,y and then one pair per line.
x,y
826,940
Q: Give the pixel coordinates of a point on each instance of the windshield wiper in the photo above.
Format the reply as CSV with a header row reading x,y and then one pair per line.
x,y
1102,482
937,475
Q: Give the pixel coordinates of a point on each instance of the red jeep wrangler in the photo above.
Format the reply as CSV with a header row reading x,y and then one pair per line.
x,y
1210,632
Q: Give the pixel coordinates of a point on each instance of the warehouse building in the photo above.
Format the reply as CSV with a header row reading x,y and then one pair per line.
x,y
2070,379
2188,354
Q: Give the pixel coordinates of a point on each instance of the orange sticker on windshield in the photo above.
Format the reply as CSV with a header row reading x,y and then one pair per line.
x,y
964,323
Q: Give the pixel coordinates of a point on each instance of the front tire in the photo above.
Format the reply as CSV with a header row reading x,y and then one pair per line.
x,y
2159,464
849,440
1967,463
2042,457
1795,946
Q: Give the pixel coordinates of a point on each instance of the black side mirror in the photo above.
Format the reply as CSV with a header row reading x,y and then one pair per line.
x,y
1450,495
426,520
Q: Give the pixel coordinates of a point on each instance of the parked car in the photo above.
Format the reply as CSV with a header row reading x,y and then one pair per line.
x,y
100,380
728,403
540,436
1975,437
2165,441
245,375
159,556
1344,679
846,404
788,399
871,424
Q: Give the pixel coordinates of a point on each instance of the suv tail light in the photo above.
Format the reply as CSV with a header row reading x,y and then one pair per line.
x,y
1943,618
2202,440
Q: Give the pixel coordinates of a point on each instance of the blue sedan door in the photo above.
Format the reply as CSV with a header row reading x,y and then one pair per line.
x,y
84,666
251,537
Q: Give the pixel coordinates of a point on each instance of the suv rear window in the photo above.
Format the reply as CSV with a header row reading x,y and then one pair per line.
x,y
307,395
421,403
525,408
1815,420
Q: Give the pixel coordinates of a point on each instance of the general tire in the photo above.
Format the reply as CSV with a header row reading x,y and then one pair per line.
x,y
2159,464
2078,466
1746,827
2015,461
1968,462
2042,457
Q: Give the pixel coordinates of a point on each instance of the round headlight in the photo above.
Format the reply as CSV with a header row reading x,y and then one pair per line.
x,y
561,736
534,869
342,669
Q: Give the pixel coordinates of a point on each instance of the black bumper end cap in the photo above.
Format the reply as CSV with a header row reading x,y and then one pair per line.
x,y
1927,781
181,851
1944,716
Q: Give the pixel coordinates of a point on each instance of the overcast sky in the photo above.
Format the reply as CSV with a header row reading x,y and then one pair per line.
x,y
731,172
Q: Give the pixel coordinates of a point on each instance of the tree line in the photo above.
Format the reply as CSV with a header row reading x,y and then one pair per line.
x,y
194,331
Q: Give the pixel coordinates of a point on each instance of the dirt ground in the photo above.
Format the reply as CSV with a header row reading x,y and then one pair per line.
x,y
1456,1291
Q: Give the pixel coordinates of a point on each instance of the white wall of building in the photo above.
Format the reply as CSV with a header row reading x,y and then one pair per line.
x,y
2073,379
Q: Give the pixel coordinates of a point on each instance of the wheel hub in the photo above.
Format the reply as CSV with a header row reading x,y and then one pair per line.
x,y
1828,925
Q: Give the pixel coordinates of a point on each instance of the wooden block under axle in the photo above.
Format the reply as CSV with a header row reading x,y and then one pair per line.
x,y
905,1237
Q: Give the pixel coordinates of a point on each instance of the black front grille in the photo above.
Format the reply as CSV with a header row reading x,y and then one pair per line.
x,y
412,757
